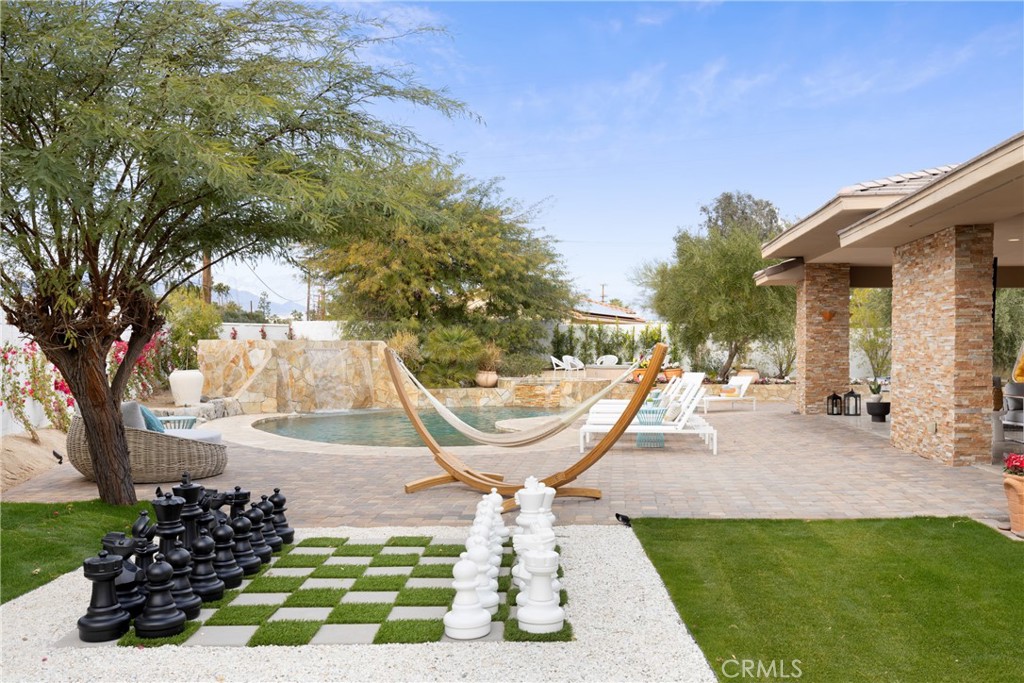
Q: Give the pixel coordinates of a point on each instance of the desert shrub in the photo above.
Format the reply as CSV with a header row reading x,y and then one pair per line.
x,y
450,354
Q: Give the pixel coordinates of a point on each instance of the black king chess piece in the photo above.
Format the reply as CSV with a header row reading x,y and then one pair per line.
x,y
127,582
259,545
181,589
205,582
286,533
270,536
161,617
224,564
191,512
168,519
105,619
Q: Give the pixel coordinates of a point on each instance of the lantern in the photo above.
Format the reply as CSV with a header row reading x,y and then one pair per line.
x,y
851,403
834,404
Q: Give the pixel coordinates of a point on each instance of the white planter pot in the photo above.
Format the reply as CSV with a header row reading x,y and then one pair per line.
x,y
186,387
874,398
487,378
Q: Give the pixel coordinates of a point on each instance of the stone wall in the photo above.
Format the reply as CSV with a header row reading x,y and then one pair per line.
x,y
822,345
942,345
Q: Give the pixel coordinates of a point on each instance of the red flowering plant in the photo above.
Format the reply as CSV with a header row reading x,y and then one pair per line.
x,y
27,376
1014,464
146,374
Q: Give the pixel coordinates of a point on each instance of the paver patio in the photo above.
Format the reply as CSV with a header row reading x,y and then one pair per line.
x,y
771,463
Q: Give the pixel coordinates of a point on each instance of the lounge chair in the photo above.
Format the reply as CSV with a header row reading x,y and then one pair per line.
x,y
607,360
732,392
684,422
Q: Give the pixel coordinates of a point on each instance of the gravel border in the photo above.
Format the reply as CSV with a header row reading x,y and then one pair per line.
x,y
625,625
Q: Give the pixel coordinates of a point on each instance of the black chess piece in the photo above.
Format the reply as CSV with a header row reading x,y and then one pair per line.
x,y
142,533
207,520
191,512
205,582
105,619
244,556
168,520
259,546
286,533
270,536
224,564
161,617
217,501
239,500
127,582
181,589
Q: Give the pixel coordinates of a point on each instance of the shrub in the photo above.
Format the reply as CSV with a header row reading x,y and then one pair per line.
x,y
407,345
523,365
451,353
490,358
190,319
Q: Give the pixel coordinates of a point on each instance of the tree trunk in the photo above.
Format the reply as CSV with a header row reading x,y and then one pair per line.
x,y
207,278
84,368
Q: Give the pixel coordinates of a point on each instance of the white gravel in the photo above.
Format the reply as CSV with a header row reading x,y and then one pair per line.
x,y
625,626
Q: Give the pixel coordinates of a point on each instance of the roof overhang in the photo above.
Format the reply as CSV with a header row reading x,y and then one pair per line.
x,y
815,236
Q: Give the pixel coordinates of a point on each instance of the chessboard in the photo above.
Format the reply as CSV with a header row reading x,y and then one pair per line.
x,y
326,590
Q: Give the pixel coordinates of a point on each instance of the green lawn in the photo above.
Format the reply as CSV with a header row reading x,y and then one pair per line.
x,y
920,599
41,541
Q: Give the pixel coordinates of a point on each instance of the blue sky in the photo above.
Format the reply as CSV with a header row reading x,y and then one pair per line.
x,y
624,118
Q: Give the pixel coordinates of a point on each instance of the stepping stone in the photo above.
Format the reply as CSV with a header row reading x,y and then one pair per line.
x,y
205,614
222,636
439,560
301,614
401,550
328,583
312,550
369,596
388,571
504,571
290,571
347,560
345,634
428,583
497,633
436,612
260,599
72,640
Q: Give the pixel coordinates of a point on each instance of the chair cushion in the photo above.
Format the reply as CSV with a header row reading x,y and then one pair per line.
x,y
131,415
206,435
729,391
1013,389
673,411
153,423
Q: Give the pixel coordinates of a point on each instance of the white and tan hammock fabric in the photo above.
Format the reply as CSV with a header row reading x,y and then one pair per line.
x,y
527,437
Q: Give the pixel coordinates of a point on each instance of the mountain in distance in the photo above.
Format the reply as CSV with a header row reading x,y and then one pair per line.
x,y
249,301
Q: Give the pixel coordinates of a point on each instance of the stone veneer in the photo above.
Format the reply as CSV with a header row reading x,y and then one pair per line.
x,y
942,345
822,346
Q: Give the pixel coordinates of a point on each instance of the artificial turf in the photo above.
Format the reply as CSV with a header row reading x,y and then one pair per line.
x,y
920,599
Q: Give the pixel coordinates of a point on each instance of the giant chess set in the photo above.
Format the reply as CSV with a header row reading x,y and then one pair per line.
x,y
155,581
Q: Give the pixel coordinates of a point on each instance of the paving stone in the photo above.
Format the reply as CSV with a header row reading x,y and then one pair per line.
x,y
222,636
438,560
497,633
260,598
71,639
301,614
348,560
387,571
369,596
344,634
290,571
428,583
401,550
417,613
311,550
328,583
205,614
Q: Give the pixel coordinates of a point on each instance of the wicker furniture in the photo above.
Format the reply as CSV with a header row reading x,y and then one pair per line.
x,y
178,421
155,457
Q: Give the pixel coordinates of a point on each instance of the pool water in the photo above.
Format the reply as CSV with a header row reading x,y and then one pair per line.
x,y
391,427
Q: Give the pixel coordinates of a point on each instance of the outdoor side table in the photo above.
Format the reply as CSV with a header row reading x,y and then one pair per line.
x,y
650,415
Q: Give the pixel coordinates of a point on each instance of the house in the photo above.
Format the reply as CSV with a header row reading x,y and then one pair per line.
x,y
942,239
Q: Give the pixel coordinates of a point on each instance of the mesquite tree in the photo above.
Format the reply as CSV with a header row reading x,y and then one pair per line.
x,y
139,136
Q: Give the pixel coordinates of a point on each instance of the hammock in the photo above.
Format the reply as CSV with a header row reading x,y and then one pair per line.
x,y
540,432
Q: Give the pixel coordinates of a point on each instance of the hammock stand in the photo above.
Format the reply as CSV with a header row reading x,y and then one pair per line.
x,y
527,437
455,470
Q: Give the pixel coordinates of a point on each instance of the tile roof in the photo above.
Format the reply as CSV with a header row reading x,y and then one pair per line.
x,y
903,183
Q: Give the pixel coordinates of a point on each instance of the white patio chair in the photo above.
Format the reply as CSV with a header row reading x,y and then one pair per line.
x,y
573,364
557,365
607,360
739,384
686,422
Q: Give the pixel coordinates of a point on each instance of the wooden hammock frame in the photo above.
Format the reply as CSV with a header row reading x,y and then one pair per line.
x,y
455,470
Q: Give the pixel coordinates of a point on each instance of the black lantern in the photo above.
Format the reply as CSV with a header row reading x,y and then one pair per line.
x,y
851,403
834,404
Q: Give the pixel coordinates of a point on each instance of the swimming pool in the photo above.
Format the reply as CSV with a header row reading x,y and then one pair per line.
x,y
391,427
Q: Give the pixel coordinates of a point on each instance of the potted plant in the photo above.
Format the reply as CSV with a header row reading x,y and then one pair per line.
x,y
875,387
186,383
487,365
1013,487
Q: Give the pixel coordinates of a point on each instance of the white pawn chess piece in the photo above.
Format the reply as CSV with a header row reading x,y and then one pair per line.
x,y
486,587
541,613
474,542
549,500
498,523
467,619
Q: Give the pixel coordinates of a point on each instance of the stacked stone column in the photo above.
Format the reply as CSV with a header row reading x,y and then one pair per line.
x,y
942,345
822,335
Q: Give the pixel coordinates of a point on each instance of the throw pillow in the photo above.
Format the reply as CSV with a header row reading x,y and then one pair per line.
x,y
729,391
153,423
673,411
132,415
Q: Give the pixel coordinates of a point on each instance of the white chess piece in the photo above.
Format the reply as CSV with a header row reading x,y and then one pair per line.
x,y
542,541
531,499
549,499
474,542
541,613
486,587
467,619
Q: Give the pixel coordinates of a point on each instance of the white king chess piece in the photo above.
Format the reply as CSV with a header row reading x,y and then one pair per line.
x,y
467,619
531,501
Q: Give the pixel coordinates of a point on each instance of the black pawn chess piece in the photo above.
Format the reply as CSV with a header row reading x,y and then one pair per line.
x,y
244,555
168,520
205,582
191,512
181,589
161,617
142,533
239,500
127,582
105,619
259,546
286,533
224,564
270,536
